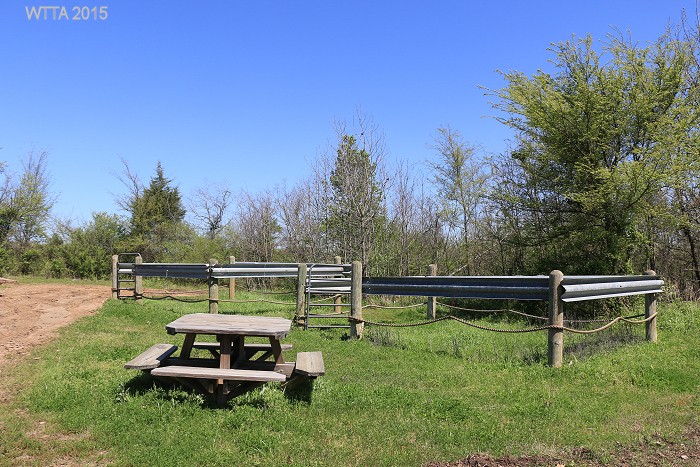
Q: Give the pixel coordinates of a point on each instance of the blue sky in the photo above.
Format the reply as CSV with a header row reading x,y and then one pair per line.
x,y
245,92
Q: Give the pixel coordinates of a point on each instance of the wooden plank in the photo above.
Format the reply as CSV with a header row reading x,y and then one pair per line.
x,y
310,364
283,368
176,371
151,358
248,346
205,323
202,362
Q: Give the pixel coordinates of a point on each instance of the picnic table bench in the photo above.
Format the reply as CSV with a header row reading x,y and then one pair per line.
x,y
234,366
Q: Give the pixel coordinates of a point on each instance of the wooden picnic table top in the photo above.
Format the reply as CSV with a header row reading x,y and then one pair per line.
x,y
207,323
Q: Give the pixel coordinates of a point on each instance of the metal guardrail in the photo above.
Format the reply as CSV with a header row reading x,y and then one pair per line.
x,y
242,269
575,288
494,287
580,288
333,278
254,269
125,268
342,285
179,270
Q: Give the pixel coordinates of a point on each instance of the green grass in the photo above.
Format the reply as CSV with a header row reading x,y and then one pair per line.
x,y
399,397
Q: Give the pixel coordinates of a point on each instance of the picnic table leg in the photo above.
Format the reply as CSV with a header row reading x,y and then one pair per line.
x,y
276,350
186,349
241,354
224,363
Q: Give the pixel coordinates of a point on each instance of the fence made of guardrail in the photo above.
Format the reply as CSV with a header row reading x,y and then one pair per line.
x,y
556,289
345,280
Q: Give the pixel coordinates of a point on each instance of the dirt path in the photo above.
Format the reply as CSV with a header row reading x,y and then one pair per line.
x,y
30,314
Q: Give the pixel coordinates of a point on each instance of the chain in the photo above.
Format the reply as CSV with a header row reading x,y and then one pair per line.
x,y
384,307
510,331
454,318
175,298
618,319
275,293
258,300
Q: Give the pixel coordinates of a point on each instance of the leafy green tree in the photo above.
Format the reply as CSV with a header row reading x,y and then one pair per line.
x,y
30,202
87,250
595,145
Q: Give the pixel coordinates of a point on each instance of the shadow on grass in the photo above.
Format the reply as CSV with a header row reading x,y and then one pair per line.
x,y
302,392
589,345
145,385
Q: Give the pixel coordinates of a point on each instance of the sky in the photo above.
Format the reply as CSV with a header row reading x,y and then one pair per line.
x,y
244,93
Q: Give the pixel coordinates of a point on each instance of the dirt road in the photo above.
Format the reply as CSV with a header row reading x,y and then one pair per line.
x,y
30,314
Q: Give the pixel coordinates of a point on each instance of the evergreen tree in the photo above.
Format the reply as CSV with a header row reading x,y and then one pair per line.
x,y
156,216
356,204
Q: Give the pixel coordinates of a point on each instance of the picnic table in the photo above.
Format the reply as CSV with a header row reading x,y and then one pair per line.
x,y
233,366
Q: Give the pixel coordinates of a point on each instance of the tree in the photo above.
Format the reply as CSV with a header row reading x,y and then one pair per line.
x,y
209,206
357,192
301,215
156,213
596,144
159,206
8,213
257,227
87,250
461,185
30,202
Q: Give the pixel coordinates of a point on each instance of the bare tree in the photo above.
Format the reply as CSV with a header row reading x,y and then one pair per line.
x,y
404,211
133,184
461,184
303,235
209,206
257,226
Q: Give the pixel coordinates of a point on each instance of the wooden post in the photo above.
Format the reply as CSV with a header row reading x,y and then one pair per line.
x,y
213,290
138,282
650,310
115,276
301,283
432,301
231,281
356,301
338,299
555,348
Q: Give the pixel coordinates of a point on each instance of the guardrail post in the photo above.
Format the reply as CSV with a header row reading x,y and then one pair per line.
x,y
432,301
213,290
555,347
338,299
301,282
231,281
138,282
115,276
356,301
650,310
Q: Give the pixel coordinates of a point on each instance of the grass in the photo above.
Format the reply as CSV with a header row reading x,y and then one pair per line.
x,y
403,396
